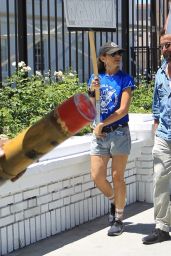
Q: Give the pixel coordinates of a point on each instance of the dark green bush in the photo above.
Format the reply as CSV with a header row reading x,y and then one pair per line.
x,y
142,98
26,99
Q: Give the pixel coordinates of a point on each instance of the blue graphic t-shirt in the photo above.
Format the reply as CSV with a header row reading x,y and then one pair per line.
x,y
111,88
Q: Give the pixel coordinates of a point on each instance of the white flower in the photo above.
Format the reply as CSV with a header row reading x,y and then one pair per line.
x,y
46,79
21,64
14,64
38,73
58,74
71,74
26,69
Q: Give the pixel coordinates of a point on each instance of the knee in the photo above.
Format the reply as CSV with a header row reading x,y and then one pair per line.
x,y
97,177
118,179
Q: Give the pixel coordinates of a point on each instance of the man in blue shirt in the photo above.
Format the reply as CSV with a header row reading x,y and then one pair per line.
x,y
162,146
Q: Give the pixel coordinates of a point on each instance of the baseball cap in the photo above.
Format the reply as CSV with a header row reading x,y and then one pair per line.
x,y
109,48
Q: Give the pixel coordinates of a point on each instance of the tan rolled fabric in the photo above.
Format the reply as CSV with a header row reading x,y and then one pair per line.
x,y
31,144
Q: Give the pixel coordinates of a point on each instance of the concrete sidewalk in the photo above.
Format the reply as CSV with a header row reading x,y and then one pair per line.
x,y
91,239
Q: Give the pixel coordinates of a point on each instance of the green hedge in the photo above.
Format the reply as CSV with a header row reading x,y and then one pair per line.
x,y
142,98
26,99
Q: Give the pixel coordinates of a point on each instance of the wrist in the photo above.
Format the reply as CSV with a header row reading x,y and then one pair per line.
x,y
101,124
91,93
156,121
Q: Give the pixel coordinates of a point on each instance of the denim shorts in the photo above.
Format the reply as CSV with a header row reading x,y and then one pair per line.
x,y
113,143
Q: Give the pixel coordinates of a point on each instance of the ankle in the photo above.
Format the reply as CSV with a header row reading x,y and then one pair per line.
x,y
111,198
119,214
111,217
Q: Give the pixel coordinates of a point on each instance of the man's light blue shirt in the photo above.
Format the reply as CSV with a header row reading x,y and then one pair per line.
x,y
162,103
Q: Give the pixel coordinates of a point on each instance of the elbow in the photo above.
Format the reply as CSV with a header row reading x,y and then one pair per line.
x,y
123,112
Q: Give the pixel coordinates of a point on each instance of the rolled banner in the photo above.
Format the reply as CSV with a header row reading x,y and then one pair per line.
x,y
64,121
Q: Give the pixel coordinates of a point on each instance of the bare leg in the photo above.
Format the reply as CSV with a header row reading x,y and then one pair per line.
x,y
118,168
99,173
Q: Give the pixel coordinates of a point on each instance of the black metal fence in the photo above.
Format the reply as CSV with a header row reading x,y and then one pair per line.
x,y
34,31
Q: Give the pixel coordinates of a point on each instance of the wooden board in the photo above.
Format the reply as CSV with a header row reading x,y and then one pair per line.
x,y
168,26
97,15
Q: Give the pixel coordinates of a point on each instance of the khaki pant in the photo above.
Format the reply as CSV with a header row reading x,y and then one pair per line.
x,y
162,174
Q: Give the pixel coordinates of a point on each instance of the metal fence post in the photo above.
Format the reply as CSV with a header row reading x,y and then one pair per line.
x,y
153,37
0,58
125,33
22,30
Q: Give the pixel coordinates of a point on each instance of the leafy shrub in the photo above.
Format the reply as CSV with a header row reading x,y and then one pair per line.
x,y
25,99
142,98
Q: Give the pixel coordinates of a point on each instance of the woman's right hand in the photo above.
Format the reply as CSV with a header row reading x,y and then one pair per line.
x,y
95,83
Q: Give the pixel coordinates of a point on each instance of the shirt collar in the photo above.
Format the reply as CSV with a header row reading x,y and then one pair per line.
x,y
164,66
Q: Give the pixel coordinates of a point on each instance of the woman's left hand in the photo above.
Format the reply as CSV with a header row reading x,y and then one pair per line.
x,y
98,130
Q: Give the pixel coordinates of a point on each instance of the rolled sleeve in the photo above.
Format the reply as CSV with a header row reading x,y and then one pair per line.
x,y
156,104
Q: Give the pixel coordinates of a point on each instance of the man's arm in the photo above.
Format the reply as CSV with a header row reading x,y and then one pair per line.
x,y
156,108
156,123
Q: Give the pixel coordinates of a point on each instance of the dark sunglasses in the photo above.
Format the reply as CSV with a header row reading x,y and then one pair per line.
x,y
166,45
116,53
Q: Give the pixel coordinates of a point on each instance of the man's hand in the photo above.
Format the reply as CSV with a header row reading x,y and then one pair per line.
x,y
1,152
3,140
155,125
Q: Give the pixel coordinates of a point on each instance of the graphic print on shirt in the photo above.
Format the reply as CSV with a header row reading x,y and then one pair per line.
x,y
109,99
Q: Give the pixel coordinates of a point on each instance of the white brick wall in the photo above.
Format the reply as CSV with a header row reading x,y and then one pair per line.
x,y
58,194
144,170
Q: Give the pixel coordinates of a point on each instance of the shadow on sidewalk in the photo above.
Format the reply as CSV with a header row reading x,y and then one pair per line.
x,y
138,228
55,242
